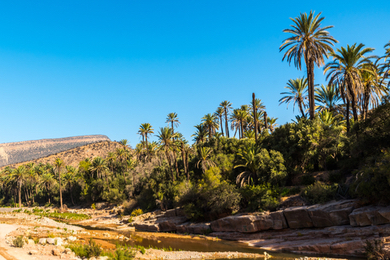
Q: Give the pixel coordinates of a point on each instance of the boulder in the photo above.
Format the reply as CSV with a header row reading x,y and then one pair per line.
x,y
278,220
370,215
147,226
171,223
30,242
250,223
33,252
331,214
298,217
72,238
42,241
50,241
198,228
170,213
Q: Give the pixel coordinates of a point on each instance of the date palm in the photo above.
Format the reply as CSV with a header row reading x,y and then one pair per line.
x,y
200,134
59,165
250,163
210,121
144,130
204,159
347,67
328,98
99,166
227,107
69,178
173,120
309,42
19,175
384,68
219,113
165,136
297,91
272,123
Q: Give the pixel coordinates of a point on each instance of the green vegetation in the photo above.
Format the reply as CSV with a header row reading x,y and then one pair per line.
x,y
241,159
63,216
18,241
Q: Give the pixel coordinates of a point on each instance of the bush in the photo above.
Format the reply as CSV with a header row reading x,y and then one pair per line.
x,y
123,254
320,192
136,212
372,181
18,242
259,197
90,250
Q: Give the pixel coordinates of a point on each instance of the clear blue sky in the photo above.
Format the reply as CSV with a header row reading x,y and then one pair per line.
x,y
104,67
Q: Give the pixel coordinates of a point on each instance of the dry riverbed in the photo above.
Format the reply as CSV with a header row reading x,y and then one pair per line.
x,y
45,238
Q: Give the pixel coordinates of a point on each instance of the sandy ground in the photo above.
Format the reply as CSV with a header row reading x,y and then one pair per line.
x,y
11,253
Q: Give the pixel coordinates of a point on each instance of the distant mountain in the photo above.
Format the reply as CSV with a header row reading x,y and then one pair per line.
x,y
17,152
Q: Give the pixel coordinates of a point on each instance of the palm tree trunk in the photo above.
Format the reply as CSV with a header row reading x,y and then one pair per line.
x,y
210,133
265,121
176,166
220,122
71,196
347,113
301,108
226,123
59,174
310,80
254,115
169,163
20,194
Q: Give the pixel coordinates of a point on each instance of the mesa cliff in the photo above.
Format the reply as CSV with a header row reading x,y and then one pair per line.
x,y
18,152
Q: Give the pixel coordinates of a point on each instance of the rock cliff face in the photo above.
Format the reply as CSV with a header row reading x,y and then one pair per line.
x,y
17,152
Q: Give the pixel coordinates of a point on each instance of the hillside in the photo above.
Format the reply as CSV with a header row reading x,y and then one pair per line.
x,y
74,156
17,152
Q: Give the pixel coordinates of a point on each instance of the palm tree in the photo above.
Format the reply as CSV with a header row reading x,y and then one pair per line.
x,y
200,134
346,68
219,113
251,163
173,120
238,118
69,178
257,108
165,137
144,130
99,166
59,164
47,180
373,89
204,161
310,42
272,123
19,176
385,66
297,89
210,121
227,106
328,98
111,158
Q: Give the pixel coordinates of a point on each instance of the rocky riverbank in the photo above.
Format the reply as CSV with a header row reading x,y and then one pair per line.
x,y
339,228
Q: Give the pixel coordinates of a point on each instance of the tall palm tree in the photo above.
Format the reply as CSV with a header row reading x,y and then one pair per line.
x,y
328,98
165,137
210,121
297,89
144,130
47,181
111,158
173,120
219,113
384,68
59,164
19,175
227,106
69,178
346,67
311,42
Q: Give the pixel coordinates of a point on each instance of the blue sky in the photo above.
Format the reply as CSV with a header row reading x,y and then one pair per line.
x,y
104,67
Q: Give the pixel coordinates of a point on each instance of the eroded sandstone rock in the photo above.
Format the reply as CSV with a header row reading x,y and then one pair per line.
x,y
370,215
331,214
298,217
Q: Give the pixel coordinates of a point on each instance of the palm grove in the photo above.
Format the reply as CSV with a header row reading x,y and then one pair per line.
x,y
241,160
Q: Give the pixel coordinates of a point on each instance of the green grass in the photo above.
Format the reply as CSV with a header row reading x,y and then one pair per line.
x,y
63,216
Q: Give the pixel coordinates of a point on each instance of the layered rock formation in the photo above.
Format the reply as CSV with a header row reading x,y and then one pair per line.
x,y
337,228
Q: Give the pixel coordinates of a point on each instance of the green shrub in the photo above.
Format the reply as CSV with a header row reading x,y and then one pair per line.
x,y
320,192
136,212
123,254
18,242
372,181
93,206
88,251
259,197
